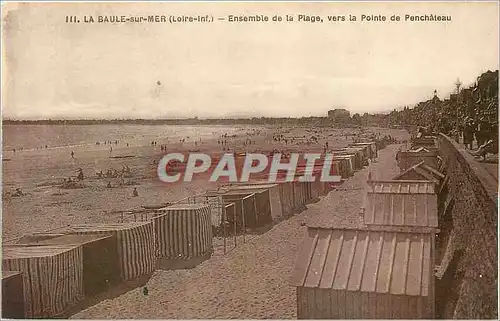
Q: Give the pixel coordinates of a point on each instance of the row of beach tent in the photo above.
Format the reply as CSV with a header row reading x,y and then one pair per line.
x,y
385,268
46,275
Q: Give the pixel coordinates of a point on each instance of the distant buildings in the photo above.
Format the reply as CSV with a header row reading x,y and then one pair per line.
x,y
339,115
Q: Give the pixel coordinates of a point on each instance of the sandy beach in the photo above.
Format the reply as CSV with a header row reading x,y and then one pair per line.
x,y
39,173
394,216
249,282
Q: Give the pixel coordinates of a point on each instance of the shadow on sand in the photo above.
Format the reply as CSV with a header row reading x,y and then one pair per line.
x,y
112,292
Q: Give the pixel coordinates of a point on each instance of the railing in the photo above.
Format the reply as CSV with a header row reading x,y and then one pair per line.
x,y
231,207
142,215
221,212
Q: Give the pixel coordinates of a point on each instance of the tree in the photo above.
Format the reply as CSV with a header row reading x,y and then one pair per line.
x,y
356,119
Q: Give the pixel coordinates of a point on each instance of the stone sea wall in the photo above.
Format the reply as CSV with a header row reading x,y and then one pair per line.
x,y
474,219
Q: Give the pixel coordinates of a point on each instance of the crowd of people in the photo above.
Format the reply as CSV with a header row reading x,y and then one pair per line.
x,y
470,113
113,173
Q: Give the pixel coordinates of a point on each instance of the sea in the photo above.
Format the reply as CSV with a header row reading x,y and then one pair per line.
x,y
33,137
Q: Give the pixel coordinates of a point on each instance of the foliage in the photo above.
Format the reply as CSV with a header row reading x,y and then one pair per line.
x,y
473,108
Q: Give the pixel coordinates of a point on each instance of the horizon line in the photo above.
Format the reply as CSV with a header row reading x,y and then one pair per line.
x,y
178,118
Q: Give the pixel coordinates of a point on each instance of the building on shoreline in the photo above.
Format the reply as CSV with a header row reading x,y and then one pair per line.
x,y
339,115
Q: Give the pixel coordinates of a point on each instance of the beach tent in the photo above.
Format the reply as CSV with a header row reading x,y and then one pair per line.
x,y
407,159
306,191
335,168
253,208
135,242
100,257
319,188
421,171
359,156
272,190
12,295
292,195
346,168
295,194
301,193
369,151
368,273
361,152
287,198
401,203
372,151
427,142
52,277
183,235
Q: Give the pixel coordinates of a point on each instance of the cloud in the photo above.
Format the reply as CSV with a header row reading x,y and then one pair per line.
x,y
111,71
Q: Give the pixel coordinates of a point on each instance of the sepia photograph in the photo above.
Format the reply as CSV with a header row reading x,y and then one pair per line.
x,y
249,160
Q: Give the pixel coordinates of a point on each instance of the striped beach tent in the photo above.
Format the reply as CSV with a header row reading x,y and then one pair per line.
x,y
100,257
52,277
369,149
273,195
372,148
287,200
183,231
359,155
12,295
346,168
135,240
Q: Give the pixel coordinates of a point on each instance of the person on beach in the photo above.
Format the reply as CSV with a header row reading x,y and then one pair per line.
x,y
72,154
490,147
135,193
80,174
18,192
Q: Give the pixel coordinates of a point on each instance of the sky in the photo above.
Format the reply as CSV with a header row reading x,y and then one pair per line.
x,y
52,69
